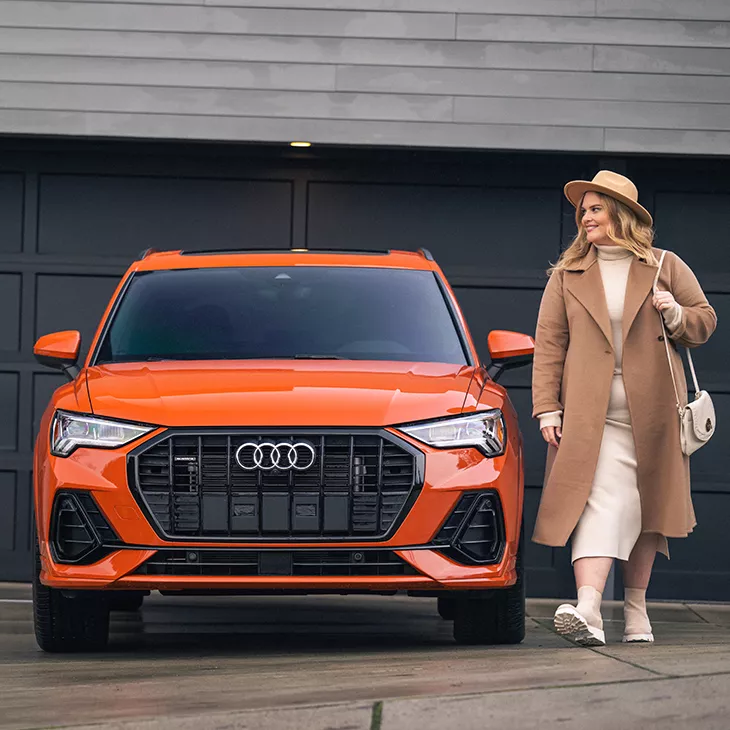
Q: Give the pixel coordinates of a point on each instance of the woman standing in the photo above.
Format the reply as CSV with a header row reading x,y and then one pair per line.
x,y
616,478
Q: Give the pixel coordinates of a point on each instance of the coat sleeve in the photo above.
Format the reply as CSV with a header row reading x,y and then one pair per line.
x,y
551,346
698,317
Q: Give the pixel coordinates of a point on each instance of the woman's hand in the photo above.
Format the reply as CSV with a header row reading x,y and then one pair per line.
x,y
663,300
552,434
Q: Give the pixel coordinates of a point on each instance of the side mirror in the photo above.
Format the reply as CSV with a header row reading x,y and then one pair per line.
x,y
509,350
59,351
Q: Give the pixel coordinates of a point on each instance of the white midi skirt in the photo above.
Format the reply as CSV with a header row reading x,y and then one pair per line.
x,y
611,521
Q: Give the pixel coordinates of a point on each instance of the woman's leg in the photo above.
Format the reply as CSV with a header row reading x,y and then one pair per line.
x,y
592,572
637,569
637,572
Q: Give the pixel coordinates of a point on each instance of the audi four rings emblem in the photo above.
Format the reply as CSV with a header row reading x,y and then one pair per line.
x,y
268,455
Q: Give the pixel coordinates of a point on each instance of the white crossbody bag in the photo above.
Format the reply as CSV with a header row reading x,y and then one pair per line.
x,y
696,419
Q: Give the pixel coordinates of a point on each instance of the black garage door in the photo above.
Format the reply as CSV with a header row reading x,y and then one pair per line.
x,y
73,215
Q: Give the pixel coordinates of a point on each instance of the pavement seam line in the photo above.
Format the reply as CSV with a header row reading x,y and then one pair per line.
x,y
376,719
699,616
543,687
629,663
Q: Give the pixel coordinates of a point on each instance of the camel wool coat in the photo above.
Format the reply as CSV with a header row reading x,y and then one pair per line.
x,y
572,372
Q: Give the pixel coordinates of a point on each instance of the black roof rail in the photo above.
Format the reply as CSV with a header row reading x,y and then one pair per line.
x,y
344,251
144,254
426,254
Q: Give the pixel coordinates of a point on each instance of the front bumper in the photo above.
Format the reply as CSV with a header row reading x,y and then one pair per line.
x,y
435,573
448,476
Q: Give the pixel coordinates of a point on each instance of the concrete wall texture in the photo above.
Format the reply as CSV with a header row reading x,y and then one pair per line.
x,y
591,75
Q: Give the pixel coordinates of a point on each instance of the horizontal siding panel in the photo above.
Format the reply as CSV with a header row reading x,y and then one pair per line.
x,y
710,61
680,9
660,9
517,7
146,2
560,112
194,18
332,131
650,141
226,102
537,84
201,46
644,65
145,72
593,30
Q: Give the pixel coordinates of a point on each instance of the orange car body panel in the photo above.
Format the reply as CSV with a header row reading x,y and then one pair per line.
x,y
270,393
279,393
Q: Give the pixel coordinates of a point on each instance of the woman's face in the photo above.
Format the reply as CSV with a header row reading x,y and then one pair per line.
x,y
595,220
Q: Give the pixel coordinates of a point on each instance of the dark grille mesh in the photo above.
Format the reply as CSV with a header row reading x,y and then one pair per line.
x,y
474,531
79,530
357,486
311,563
74,538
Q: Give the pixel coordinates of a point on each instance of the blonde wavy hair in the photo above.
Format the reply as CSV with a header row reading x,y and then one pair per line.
x,y
624,229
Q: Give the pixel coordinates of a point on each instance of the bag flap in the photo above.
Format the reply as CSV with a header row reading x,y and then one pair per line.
x,y
702,416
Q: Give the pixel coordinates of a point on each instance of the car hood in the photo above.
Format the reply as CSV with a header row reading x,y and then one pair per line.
x,y
282,393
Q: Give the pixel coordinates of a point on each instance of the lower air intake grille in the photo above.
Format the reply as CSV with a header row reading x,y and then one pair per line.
x,y
276,485
310,563
80,533
473,534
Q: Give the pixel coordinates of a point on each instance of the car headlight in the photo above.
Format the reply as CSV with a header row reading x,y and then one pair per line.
x,y
71,430
484,431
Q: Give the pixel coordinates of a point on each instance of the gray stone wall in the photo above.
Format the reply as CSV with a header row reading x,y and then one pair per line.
x,y
592,75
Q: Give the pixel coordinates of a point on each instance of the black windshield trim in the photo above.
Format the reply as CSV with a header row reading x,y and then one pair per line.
x,y
110,319
461,331
236,251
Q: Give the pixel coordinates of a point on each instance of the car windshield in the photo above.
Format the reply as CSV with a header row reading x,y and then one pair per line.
x,y
283,312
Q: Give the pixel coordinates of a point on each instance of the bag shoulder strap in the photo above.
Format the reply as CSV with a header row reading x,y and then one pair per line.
x,y
666,345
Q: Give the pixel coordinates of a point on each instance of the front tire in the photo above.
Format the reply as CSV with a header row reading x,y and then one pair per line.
x,y
497,617
127,601
446,606
68,624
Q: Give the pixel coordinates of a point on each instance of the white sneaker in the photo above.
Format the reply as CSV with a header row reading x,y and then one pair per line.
x,y
573,626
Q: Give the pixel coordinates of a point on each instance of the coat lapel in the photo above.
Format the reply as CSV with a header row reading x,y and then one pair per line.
x,y
586,285
638,288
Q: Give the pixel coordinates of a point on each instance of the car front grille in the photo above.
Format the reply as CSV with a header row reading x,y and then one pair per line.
x,y
310,563
216,485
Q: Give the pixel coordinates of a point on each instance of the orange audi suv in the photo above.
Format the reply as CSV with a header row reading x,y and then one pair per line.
x,y
279,422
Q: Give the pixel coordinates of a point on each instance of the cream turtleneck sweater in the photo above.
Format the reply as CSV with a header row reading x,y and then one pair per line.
x,y
614,263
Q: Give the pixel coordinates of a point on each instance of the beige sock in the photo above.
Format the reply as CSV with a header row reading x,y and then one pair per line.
x,y
589,606
635,616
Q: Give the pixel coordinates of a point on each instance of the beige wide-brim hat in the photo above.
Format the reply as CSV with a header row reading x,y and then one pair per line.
x,y
609,183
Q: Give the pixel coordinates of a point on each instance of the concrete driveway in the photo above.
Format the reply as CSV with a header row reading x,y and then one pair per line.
x,y
352,663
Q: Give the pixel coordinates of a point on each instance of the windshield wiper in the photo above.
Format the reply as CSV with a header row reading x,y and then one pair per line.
x,y
305,356
232,357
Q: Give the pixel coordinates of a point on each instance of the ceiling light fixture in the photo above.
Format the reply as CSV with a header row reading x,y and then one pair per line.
x,y
300,144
